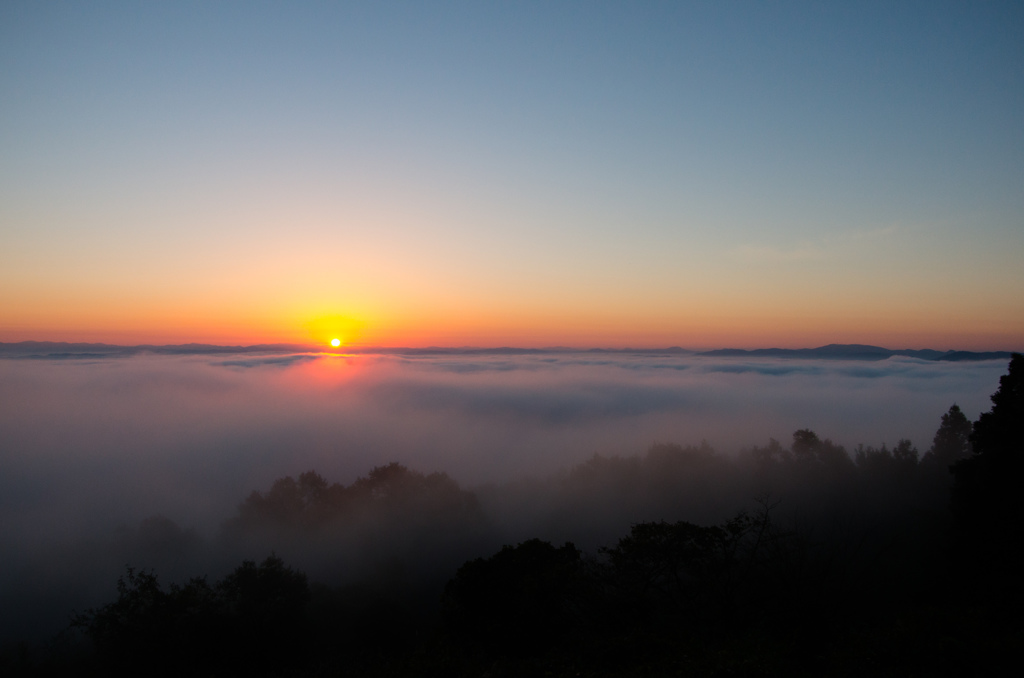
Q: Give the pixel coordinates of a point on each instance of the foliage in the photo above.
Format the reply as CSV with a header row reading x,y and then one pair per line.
x,y
518,599
695,574
985,499
387,491
251,618
808,449
901,460
952,440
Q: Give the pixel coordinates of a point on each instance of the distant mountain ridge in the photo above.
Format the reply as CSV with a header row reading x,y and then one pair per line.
x,y
61,349
859,352
52,350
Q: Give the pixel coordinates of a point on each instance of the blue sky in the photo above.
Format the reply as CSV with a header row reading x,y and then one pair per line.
x,y
586,173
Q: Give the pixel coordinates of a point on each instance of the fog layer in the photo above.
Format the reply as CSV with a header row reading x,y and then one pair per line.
x,y
91,447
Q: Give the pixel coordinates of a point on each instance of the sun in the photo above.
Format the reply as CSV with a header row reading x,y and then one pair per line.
x,y
333,330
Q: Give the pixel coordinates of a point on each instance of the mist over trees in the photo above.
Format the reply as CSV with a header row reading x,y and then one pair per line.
x,y
802,558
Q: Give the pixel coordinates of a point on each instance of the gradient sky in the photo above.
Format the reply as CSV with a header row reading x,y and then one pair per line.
x,y
591,174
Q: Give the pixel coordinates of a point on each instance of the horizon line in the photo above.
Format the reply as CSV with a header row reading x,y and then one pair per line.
x,y
203,347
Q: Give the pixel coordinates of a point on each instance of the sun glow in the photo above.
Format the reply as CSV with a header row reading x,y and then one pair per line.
x,y
334,330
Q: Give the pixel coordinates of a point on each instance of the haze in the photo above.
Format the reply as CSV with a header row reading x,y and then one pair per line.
x,y
93,445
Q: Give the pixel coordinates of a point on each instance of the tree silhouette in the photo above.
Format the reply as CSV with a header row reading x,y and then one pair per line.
x,y
262,611
686,573
151,631
986,491
905,455
670,567
771,455
951,442
809,450
251,621
391,490
516,601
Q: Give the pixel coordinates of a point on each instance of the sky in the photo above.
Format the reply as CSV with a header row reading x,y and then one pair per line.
x,y
531,174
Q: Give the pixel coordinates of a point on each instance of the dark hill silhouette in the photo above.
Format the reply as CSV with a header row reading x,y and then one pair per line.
x,y
55,350
856,352
954,356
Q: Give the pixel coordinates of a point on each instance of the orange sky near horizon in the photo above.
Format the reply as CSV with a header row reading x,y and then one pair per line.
x,y
696,328
864,290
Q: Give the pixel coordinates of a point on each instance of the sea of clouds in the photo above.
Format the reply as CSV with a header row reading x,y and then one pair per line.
x,y
89,442
90,445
